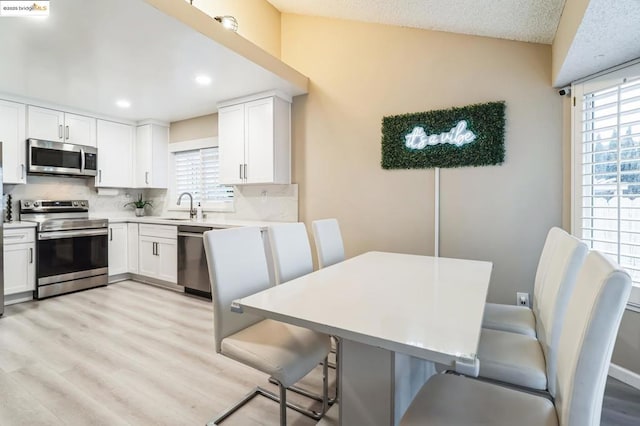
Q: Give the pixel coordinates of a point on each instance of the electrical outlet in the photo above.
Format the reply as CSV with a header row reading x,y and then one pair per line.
x,y
522,299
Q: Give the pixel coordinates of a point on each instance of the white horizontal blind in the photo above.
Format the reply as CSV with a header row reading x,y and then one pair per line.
x,y
197,172
608,171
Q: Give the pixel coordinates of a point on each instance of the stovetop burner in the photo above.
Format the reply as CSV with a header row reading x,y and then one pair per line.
x,y
59,215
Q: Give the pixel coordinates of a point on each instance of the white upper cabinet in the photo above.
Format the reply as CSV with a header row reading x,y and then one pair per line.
x,y
12,136
115,155
255,141
152,156
80,130
53,125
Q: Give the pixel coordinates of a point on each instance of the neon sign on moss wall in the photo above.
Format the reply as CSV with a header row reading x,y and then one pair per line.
x,y
472,135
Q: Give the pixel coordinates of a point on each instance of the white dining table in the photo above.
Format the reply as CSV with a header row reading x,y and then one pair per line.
x,y
396,315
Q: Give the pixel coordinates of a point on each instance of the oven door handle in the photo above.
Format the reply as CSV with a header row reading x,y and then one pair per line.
x,y
73,233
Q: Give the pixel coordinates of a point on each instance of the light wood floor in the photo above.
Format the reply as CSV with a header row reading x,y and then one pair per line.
x,y
126,354
134,354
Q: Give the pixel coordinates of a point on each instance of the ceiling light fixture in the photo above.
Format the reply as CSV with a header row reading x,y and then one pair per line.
x,y
228,21
123,103
203,80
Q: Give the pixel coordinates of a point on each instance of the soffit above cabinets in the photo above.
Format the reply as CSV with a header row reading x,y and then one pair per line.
x,y
87,55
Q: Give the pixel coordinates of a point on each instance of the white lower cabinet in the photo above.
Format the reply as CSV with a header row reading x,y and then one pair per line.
x,y
158,252
118,253
132,237
19,261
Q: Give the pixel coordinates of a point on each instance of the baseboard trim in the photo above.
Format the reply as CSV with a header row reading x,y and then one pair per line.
x,y
625,376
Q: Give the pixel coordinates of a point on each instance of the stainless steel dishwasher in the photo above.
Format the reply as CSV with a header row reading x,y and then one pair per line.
x,y
193,273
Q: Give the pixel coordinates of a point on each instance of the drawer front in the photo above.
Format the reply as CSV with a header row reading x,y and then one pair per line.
x,y
159,231
19,236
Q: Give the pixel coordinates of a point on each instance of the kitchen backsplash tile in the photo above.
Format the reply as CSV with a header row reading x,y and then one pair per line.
x,y
256,202
278,203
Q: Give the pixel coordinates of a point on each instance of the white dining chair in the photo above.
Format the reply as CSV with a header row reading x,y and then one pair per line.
x,y
238,268
328,239
586,344
521,319
290,251
527,361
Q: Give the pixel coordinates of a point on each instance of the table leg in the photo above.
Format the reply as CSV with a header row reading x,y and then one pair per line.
x,y
377,385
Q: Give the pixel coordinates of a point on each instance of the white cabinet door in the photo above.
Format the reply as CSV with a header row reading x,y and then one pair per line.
x,y
167,253
132,246
259,156
115,155
45,123
79,129
147,259
19,268
231,137
158,258
152,156
255,142
12,136
118,253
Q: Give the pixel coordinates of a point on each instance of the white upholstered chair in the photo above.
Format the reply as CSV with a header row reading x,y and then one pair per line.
x,y
520,319
586,344
238,268
290,250
328,239
291,254
527,361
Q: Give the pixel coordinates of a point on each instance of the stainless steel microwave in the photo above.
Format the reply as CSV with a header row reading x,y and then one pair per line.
x,y
58,158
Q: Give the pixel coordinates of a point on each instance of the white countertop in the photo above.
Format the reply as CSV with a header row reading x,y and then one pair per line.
x,y
216,223
18,224
422,306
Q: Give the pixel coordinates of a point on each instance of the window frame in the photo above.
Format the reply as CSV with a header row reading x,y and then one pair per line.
x,y
190,145
600,81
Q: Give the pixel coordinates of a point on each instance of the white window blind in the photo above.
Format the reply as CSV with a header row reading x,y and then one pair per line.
x,y
197,172
607,168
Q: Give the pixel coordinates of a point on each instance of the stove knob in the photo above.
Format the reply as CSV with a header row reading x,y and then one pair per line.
x,y
82,203
75,204
27,204
36,204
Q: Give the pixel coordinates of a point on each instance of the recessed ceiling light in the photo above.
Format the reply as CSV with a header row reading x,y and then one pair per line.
x,y
203,80
123,103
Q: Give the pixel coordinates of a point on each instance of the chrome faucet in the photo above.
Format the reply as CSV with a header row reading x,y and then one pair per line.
x,y
192,212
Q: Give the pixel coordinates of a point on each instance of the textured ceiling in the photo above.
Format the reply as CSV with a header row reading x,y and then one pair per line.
x,y
524,20
609,35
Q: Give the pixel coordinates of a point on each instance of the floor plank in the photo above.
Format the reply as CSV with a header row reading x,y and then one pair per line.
x,y
126,354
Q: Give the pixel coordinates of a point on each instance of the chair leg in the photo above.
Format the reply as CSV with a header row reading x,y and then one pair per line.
x,y
281,399
325,387
283,404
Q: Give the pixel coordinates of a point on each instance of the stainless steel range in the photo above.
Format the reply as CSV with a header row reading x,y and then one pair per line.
x,y
71,249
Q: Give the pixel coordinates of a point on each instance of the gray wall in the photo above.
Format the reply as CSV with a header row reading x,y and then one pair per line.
x,y
627,351
503,213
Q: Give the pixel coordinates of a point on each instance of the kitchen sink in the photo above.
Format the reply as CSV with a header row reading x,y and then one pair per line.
x,y
177,219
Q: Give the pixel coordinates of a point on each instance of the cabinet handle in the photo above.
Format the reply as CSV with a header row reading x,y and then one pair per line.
x,y
155,249
245,171
111,234
99,176
146,178
30,255
240,171
59,131
21,171
66,130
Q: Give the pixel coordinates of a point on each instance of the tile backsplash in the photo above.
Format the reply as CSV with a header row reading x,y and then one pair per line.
x,y
260,202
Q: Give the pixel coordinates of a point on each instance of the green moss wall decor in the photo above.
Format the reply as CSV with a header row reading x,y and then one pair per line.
x,y
472,135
